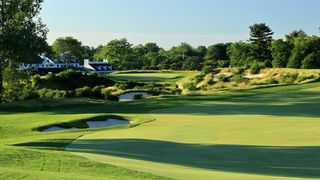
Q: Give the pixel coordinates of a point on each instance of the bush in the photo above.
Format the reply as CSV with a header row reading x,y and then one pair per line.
x,y
223,63
29,94
121,86
271,81
175,91
138,96
35,80
256,67
207,69
222,78
97,92
189,86
239,79
83,92
289,78
150,85
239,70
69,80
211,82
199,78
111,97
52,94
305,77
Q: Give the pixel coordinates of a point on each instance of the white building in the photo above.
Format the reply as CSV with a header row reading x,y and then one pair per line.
x,y
100,67
45,64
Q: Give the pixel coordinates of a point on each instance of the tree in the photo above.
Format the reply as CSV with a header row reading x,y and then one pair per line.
x,y
280,51
67,49
240,54
176,56
87,52
303,47
261,38
312,61
192,63
217,52
152,47
201,51
290,38
22,34
119,53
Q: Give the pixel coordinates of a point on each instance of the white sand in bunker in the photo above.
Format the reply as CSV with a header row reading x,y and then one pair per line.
x,y
130,96
92,125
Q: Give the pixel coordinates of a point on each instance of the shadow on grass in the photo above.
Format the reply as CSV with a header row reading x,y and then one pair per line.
x,y
279,161
265,160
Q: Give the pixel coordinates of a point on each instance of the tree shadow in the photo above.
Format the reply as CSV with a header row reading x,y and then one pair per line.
x,y
265,160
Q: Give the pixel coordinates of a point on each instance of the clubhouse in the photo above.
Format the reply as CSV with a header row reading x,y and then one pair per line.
x,y
43,65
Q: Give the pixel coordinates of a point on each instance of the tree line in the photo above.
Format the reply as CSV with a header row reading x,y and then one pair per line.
x,y
23,36
297,50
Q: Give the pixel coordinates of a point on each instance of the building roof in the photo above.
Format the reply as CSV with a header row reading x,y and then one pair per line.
x,y
101,66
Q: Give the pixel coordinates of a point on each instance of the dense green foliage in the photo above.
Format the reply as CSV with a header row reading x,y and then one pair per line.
x,y
22,34
298,50
68,80
261,38
68,49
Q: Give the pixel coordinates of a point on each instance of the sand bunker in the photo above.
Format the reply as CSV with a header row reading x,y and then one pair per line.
x,y
92,125
130,96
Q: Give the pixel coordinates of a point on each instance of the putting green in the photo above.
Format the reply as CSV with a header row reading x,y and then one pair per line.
x,y
152,76
271,136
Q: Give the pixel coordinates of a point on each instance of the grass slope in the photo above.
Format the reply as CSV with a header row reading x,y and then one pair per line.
x,y
271,136
230,135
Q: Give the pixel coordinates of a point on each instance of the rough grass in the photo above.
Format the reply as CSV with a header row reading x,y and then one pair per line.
x,y
268,133
266,78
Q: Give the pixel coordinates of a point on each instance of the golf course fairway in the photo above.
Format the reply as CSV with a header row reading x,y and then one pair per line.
x,y
269,136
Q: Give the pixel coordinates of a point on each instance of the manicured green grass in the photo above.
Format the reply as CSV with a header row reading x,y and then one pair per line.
x,y
272,136
146,76
271,133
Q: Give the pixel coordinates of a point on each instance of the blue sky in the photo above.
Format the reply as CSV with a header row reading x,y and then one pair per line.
x,y
170,22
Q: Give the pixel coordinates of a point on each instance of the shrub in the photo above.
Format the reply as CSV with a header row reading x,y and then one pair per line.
x,y
111,97
29,94
223,63
239,70
189,86
97,92
70,79
207,69
305,77
83,92
211,82
121,86
35,80
59,94
175,91
199,78
52,94
239,79
222,78
256,67
150,85
134,84
271,81
138,96
289,78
